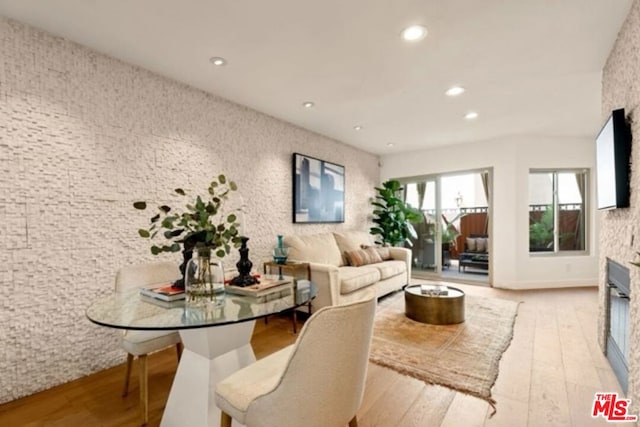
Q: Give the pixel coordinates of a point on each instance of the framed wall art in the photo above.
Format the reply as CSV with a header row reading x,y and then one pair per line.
x,y
318,190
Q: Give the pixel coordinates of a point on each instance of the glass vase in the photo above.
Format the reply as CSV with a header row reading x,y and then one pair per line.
x,y
204,279
280,252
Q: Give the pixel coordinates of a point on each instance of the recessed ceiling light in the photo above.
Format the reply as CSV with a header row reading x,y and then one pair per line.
x,y
390,144
216,60
471,115
414,33
358,127
455,91
308,104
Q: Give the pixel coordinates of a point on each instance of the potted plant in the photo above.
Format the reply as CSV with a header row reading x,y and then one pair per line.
x,y
200,224
393,217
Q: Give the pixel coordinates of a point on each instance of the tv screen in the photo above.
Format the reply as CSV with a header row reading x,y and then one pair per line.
x,y
613,147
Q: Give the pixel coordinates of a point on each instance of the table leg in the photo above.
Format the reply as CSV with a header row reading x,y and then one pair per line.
x,y
209,355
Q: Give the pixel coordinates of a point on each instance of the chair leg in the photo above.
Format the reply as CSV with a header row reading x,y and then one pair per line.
x,y
127,375
225,419
179,348
294,319
353,422
144,395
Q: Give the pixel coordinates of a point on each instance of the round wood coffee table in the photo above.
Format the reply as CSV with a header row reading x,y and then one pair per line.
x,y
427,307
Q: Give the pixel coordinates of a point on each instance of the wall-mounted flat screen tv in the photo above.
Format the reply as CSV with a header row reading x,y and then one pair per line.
x,y
613,150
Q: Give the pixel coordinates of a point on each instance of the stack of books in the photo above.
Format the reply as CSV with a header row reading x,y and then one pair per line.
x,y
264,291
167,293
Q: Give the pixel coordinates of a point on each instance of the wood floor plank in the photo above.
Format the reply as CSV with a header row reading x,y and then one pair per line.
x,y
580,405
466,411
514,377
429,408
510,413
547,377
391,406
548,404
379,380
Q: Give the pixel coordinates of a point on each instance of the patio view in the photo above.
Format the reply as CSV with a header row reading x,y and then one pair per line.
x,y
456,220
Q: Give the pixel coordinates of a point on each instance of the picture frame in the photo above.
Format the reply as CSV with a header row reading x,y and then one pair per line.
x,y
318,190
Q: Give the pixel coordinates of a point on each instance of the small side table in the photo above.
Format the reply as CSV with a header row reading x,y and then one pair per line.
x,y
297,270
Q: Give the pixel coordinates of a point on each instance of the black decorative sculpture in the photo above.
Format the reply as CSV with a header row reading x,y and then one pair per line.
x,y
188,245
244,267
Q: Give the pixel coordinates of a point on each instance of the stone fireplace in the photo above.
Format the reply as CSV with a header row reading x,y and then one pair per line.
x,y
618,228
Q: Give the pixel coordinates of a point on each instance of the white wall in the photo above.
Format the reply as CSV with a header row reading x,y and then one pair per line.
x,y
511,159
82,136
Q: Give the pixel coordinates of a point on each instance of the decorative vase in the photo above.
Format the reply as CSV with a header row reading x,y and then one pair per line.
x,y
204,279
188,246
280,252
244,267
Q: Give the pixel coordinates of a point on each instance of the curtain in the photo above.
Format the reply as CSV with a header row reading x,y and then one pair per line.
x,y
581,181
485,185
422,189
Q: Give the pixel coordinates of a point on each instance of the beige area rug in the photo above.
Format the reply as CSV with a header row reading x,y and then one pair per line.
x,y
463,357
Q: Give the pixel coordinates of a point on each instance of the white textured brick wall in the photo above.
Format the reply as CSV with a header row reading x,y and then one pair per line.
x,y
82,136
621,89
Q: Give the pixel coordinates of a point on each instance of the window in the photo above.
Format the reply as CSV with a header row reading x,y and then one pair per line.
x,y
557,205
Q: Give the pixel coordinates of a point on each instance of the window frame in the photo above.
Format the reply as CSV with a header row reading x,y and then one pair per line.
x,y
586,176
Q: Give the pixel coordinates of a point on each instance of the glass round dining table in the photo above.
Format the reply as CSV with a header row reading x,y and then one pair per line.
x,y
216,340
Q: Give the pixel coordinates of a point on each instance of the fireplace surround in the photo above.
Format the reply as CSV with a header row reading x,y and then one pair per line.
x,y
617,303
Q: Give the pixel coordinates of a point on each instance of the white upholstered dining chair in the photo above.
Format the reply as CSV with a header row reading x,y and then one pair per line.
x,y
141,343
317,381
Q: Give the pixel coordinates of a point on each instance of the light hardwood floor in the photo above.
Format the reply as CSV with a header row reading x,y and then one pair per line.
x,y
548,377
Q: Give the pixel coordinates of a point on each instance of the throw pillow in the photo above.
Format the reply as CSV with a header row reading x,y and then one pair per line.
x,y
481,244
471,244
383,251
361,257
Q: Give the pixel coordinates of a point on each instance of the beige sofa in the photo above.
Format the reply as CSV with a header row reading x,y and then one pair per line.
x,y
338,282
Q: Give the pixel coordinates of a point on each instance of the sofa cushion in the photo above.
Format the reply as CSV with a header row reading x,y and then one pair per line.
x,y
360,257
390,268
352,240
471,244
319,248
481,244
354,278
383,251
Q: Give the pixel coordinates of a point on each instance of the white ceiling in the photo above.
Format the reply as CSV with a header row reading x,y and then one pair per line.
x,y
529,66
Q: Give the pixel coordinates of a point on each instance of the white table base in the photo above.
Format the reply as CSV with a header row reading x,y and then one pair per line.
x,y
210,355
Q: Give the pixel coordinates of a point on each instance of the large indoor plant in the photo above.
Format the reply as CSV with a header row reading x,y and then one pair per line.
x,y
393,218
200,223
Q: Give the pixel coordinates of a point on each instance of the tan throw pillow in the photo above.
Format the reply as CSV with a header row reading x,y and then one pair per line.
x,y
471,244
361,257
384,252
481,244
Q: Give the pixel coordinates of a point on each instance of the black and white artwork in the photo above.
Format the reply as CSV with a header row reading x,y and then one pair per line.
x,y
318,190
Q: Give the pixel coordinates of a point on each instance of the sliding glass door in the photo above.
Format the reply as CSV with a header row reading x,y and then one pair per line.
x,y
452,241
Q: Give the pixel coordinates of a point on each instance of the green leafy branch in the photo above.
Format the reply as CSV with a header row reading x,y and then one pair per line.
x,y
201,220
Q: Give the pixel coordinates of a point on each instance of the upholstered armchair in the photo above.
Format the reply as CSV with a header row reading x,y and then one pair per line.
x,y
316,382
